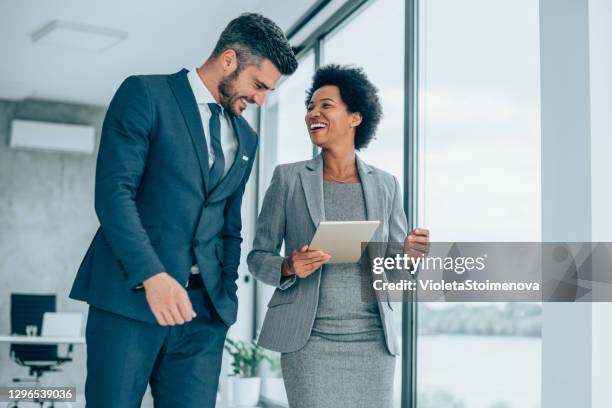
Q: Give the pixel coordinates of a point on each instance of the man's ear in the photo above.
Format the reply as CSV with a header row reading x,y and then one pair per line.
x,y
356,119
229,60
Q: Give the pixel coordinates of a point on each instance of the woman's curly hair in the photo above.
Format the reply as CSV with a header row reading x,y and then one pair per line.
x,y
357,92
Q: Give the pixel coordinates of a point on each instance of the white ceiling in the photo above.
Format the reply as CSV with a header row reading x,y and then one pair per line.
x,y
163,37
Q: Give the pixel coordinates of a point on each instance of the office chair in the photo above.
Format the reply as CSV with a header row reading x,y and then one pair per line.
x,y
28,310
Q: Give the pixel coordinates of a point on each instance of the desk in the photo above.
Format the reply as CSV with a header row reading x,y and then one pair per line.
x,y
20,339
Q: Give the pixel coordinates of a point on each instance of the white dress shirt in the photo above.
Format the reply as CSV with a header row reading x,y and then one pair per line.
x,y
203,97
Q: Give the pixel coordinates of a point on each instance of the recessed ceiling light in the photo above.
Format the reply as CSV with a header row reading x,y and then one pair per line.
x,y
78,36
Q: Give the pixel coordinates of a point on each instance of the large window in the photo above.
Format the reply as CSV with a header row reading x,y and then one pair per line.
x,y
380,53
489,153
479,180
286,139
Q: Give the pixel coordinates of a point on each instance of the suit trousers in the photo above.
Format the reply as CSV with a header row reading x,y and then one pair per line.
x,y
181,363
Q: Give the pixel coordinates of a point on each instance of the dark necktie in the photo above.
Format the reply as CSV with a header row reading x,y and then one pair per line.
x,y
218,167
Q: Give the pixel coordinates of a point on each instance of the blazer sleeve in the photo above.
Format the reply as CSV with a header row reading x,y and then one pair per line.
x,y
264,260
121,163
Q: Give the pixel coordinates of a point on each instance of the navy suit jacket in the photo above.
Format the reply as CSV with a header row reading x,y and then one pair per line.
x,y
155,209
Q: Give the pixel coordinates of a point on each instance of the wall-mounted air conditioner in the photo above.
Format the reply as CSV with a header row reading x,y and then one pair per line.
x,y
56,137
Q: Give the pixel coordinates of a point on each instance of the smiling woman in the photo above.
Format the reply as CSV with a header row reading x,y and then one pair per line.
x,y
332,342
348,87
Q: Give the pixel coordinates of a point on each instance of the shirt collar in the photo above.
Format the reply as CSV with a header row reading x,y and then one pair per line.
x,y
200,91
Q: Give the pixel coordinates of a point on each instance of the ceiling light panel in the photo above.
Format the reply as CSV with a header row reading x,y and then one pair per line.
x,y
78,36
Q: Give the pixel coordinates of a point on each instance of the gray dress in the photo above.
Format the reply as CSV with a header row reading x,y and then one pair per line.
x,y
345,363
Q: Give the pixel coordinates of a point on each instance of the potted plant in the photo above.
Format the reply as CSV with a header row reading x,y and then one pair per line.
x,y
246,357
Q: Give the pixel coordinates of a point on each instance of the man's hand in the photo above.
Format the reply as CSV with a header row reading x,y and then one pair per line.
x,y
417,243
168,300
304,262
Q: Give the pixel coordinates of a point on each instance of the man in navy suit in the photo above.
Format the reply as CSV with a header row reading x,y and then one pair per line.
x,y
160,274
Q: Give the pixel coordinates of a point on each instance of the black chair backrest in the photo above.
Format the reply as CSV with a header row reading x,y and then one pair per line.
x,y
27,310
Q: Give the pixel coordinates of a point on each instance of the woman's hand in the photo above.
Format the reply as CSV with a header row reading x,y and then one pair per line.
x,y
417,243
304,262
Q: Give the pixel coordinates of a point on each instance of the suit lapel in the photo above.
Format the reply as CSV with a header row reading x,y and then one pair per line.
x,y
312,183
234,176
189,108
375,212
372,194
370,191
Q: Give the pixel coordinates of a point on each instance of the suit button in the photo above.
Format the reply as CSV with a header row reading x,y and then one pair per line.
x,y
196,243
205,204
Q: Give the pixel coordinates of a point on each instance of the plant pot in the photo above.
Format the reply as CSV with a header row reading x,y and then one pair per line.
x,y
273,388
246,391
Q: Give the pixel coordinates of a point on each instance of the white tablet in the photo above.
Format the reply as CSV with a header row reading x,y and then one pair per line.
x,y
343,239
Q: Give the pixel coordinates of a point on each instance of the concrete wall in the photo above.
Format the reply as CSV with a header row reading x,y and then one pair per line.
x,y
46,222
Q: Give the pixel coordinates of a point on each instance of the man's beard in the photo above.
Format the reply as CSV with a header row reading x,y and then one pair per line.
x,y
227,93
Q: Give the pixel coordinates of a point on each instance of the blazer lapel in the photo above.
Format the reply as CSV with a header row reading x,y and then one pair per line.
x,y
189,108
372,194
375,212
234,176
312,183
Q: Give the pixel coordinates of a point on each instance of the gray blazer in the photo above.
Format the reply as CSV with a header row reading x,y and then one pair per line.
x,y
292,208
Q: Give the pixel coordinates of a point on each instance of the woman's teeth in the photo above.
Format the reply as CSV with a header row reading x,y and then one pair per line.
x,y
317,125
